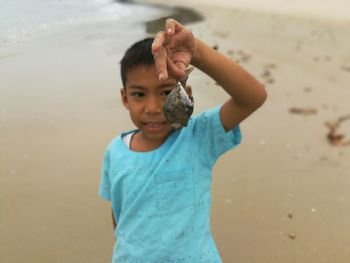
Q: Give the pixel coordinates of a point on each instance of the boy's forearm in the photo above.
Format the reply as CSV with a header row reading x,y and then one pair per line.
x,y
236,81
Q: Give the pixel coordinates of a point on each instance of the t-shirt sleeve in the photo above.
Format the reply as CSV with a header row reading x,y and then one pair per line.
x,y
105,185
212,137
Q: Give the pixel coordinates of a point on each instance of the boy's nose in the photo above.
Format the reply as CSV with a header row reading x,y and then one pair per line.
x,y
154,105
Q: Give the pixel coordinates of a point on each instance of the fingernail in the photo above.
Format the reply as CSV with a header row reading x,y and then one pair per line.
x,y
154,47
169,30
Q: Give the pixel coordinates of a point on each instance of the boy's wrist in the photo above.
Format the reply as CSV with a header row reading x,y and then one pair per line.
x,y
197,57
202,52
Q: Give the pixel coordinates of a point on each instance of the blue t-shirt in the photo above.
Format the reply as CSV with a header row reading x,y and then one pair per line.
x,y
161,198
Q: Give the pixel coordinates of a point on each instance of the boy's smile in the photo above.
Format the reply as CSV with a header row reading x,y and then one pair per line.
x,y
144,95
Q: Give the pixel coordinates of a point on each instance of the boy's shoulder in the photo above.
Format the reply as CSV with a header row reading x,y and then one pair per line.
x,y
215,111
116,141
206,119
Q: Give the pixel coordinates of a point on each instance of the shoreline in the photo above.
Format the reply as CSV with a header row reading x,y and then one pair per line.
x,y
183,14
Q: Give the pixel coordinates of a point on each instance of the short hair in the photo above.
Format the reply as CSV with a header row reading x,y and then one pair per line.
x,y
140,53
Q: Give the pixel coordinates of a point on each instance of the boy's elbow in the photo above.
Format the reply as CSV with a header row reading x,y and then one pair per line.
x,y
261,98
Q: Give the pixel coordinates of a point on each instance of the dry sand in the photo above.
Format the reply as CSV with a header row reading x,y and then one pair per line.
x,y
282,196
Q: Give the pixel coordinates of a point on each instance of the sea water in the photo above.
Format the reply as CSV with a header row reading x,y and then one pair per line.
x,y
22,20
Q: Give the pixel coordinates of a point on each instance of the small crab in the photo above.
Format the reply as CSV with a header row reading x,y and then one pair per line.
x,y
178,106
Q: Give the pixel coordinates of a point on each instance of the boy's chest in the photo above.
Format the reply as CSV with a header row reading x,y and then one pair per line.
x,y
166,183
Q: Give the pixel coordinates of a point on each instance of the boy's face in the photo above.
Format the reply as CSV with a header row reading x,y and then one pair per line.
x,y
144,95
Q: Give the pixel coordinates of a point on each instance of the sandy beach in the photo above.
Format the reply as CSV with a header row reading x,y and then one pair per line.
x,y
282,196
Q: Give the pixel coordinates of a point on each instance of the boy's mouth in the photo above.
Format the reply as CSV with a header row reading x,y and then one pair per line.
x,y
154,126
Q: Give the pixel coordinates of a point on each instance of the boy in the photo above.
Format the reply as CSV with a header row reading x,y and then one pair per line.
x,y
157,178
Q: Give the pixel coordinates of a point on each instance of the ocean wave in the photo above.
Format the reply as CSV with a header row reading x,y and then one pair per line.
x,y
21,21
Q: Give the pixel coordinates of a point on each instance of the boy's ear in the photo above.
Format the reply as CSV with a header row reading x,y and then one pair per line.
x,y
189,90
124,98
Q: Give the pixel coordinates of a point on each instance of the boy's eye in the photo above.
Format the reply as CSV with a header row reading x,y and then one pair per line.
x,y
166,92
137,94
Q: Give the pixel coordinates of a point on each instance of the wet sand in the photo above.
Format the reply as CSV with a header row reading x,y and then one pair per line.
x,y
282,196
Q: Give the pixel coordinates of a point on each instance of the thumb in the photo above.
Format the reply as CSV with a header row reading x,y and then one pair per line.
x,y
182,66
177,70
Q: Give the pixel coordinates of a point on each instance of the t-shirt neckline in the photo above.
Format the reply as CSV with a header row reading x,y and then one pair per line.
x,y
167,141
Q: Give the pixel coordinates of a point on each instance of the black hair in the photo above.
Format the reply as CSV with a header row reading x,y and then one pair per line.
x,y
140,53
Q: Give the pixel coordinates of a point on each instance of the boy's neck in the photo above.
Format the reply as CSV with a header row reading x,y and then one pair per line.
x,y
139,143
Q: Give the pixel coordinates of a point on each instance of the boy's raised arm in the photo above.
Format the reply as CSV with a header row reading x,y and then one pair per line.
x,y
176,48
247,94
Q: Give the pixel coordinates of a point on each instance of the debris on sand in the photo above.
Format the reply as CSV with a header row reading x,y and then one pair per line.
x,y
239,55
346,68
267,73
303,111
221,34
230,52
292,236
307,89
271,66
267,76
328,58
334,137
346,65
243,56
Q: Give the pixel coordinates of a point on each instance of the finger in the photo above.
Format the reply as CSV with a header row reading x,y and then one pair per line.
x,y
158,42
160,61
170,25
159,52
183,67
177,70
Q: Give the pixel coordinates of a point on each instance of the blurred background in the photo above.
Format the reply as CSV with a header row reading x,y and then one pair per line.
x,y
282,196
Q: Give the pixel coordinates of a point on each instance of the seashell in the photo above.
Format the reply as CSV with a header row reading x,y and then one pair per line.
x,y
178,107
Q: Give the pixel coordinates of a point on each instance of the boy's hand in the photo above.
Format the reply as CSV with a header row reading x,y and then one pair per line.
x,y
173,50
